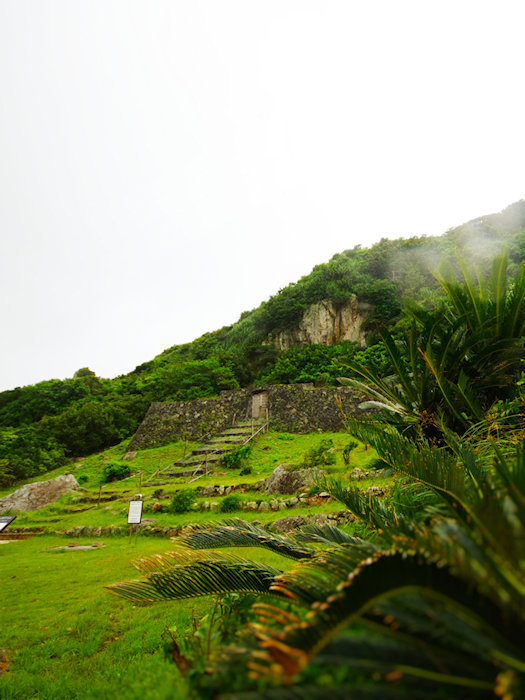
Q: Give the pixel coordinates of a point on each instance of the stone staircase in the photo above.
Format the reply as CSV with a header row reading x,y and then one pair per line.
x,y
202,459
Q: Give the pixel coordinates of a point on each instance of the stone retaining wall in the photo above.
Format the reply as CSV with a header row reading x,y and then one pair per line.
x,y
295,408
167,422
302,408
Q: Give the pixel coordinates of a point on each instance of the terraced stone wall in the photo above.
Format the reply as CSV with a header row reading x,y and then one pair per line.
x,y
297,408
167,422
303,408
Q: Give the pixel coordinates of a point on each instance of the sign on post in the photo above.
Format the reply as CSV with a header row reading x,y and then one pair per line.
x,y
135,512
6,520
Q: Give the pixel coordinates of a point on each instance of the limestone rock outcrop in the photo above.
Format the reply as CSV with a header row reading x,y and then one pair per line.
x,y
283,481
325,323
39,494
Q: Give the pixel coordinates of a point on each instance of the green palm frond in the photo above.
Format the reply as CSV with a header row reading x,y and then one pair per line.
x,y
433,466
204,576
329,534
380,578
512,474
388,655
457,358
411,620
239,533
371,509
312,580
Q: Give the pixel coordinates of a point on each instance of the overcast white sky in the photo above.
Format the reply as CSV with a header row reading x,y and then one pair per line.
x,y
166,165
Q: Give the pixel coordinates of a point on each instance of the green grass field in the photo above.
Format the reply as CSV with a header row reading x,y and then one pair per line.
x,y
63,634
66,636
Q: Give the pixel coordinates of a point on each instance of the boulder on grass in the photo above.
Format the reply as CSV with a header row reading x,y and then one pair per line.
x,y
39,494
283,481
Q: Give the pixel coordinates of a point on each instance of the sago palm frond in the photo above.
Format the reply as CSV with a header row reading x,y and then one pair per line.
x,y
204,576
286,650
239,533
330,535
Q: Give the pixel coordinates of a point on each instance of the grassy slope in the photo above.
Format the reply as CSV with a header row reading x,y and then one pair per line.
x,y
64,634
270,450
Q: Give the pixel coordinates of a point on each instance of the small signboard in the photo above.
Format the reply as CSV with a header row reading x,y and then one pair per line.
x,y
6,520
135,512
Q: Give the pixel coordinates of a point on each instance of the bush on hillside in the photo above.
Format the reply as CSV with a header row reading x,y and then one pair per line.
x,y
230,503
320,455
182,501
347,451
235,458
115,471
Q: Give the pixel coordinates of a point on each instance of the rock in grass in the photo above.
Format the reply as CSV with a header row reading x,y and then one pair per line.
x,y
39,494
287,524
358,474
283,481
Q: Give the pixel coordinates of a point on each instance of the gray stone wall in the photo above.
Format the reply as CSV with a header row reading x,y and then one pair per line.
x,y
167,422
295,408
303,408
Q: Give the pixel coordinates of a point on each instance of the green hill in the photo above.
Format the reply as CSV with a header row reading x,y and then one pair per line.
x,y
43,425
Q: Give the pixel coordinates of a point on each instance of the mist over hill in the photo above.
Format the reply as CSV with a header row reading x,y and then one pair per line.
x,y
306,332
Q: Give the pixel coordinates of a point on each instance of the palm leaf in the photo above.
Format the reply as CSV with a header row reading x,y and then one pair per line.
x,y
205,576
239,533
380,578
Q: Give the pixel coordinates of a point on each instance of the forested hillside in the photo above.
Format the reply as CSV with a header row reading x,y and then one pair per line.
x,y
42,426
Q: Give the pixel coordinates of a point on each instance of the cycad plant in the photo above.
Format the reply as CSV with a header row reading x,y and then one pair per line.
x,y
429,606
457,359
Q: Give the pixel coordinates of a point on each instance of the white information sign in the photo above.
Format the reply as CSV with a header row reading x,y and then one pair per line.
x,y
135,512
6,520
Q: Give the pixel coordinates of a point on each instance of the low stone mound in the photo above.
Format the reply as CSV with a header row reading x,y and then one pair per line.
x,y
39,494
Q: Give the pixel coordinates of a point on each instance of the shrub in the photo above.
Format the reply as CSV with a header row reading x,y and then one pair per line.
x,y
319,456
115,471
182,501
82,478
347,450
245,470
230,503
235,458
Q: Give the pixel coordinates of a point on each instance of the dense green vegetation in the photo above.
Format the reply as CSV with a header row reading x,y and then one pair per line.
x,y
45,424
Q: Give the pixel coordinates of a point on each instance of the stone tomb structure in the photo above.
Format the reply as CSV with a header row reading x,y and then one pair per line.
x,y
295,408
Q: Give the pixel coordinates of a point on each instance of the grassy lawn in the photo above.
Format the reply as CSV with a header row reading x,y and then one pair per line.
x,y
66,636
63,634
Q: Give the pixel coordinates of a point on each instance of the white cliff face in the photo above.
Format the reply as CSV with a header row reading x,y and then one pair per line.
x,y
324,324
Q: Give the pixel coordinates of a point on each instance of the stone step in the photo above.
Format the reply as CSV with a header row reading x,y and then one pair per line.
x,y
211,450
190,462
237,431
232,440
185,472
